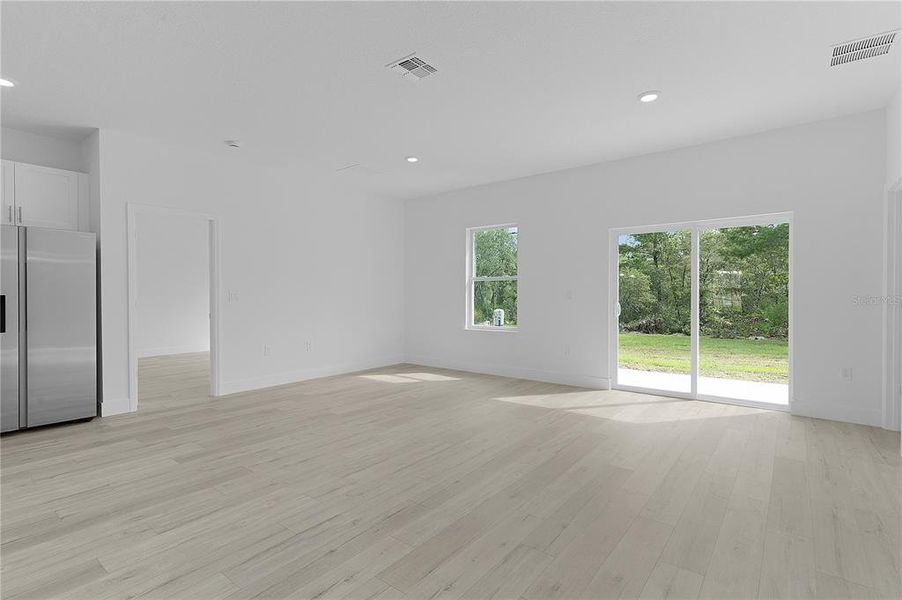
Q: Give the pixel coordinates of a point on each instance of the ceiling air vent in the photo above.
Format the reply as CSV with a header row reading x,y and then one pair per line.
x,y
412,65
876,45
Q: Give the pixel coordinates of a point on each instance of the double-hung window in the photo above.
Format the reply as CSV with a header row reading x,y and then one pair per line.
x,y
492,278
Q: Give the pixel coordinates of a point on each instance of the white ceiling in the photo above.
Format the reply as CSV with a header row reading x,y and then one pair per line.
x,y
522,88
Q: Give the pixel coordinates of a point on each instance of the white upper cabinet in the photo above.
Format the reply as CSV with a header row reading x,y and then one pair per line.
x,y
46,197
7,193
36,196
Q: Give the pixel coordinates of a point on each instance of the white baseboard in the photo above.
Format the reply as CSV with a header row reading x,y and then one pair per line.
x,y
579,380
837,412
286,377
165,351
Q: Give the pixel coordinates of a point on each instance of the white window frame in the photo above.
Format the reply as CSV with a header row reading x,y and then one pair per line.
x,y
472,279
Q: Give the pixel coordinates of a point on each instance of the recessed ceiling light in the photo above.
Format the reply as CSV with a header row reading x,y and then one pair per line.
x,y
412,159
649,96
6,83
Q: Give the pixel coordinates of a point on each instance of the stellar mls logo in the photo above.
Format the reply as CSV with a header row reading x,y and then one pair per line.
x,y
877,300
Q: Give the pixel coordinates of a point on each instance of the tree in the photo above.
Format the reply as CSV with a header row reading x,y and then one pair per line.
x,y
664,258
743,282
495,255
636,298
762,254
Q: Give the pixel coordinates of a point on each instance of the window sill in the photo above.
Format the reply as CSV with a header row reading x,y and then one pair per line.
x,y
492,329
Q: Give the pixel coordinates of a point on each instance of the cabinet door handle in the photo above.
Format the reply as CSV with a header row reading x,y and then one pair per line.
x,y
20,214
9,214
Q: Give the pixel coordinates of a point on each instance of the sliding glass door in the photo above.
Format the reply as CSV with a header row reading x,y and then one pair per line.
x,y
744,313
655,296
703,309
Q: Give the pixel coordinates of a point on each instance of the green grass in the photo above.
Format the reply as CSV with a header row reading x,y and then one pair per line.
x,y
751,360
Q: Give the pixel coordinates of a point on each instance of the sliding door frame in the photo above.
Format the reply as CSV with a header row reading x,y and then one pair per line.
x,y
695,228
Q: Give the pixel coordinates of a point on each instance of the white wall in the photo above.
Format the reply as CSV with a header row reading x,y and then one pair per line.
x,y
27,147
831,174
173,284
306,259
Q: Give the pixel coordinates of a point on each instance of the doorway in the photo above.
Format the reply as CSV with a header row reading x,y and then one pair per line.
x,y
703,310
173,313
892,306
895,307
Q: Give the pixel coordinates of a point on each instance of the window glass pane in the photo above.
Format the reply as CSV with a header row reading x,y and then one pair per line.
x,y
495,252
495,303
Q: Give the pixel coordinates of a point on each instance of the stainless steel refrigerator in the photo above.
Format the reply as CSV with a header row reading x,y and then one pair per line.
x,y
48,359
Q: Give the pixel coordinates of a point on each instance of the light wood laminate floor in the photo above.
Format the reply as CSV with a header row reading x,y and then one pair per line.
x,y
408,482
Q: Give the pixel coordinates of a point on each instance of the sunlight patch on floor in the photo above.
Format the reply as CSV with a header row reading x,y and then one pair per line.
x,y
429,377
627,407
564,400
407,377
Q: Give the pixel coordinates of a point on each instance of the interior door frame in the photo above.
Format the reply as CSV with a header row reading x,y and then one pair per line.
x,y
895,395
897,309
695,228
892,311
214,240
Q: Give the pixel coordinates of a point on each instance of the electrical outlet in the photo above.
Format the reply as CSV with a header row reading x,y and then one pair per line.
x,y
309,346
267,350
232,296
847,373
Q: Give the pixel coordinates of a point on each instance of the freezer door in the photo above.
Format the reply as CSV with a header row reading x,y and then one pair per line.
x,y
9,326
60,324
